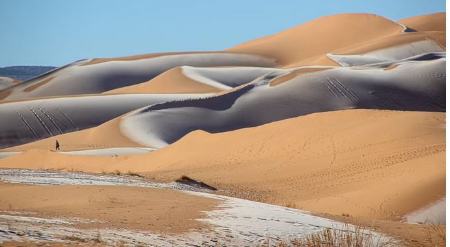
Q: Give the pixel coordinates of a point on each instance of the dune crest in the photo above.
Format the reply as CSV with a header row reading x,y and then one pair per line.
x,y
320,36
431,22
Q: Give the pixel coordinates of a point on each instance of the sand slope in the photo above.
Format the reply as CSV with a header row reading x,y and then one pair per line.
x,y
431,22
333,162
106,135
37,119
301,42
171,81
188,79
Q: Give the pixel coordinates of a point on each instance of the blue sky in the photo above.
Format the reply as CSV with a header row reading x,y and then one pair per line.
x,y
56,32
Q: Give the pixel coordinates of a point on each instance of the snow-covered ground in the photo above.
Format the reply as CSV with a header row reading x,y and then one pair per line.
x,y
236,222
431,214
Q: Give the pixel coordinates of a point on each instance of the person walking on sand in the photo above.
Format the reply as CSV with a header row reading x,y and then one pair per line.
x,y
57,145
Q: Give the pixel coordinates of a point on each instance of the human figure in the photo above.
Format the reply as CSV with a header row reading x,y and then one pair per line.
x,y
57,145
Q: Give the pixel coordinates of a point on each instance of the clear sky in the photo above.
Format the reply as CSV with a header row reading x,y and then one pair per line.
x,y
56,32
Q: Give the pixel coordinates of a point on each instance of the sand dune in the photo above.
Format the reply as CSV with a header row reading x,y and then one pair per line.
x,y
335,162
366,163
400,88
106,135
150,211
171,81
37,119
301,42
84,78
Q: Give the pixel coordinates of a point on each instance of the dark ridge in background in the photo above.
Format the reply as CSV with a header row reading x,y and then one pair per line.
x,y
23,73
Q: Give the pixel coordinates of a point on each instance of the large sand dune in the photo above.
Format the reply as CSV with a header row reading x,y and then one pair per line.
x,y
37,119
400,88
301,42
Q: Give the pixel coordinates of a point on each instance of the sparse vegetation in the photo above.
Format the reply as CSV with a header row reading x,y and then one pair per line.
x,y
349,236
74,239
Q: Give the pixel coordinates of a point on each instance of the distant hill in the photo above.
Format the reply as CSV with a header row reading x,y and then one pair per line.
x,y
23,73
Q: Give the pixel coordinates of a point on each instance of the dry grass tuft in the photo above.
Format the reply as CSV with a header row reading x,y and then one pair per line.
x,y
349,236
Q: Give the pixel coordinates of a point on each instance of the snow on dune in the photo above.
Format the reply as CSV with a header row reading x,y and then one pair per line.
x,y
395,53
235,222
83,78
226,77
430,214
411,85
6,82
37,119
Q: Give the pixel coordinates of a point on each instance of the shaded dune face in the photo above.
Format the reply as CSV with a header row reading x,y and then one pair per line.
x,y
411,85
37,119
84,78
188,79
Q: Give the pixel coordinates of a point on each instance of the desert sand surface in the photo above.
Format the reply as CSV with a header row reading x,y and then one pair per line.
x,y
112,206
232,221
348,129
